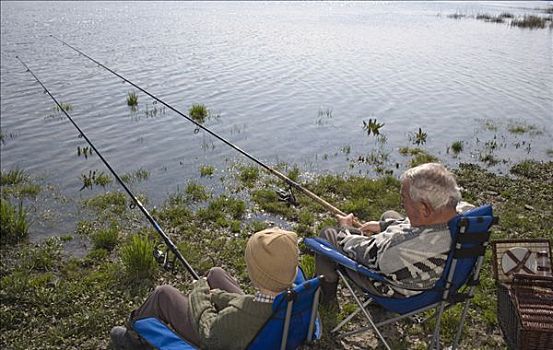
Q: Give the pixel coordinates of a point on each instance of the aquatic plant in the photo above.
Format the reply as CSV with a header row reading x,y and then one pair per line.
x,y
196,192
16,183
529,21
377,157
85,151
63,106
488,158
490,125
373,126
418,138
92,178
12,177
505,15
137,258
13,222
418,156
521,128
457,147
345,149
139,174
323,115
456,15
206,170
106,238
489,18
87,180
198,112
132,99
102,179
116,202
248,175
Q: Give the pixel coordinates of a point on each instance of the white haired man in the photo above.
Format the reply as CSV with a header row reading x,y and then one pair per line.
x,y
411,250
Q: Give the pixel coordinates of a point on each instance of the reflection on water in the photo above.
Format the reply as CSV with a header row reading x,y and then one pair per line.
x,y
290,82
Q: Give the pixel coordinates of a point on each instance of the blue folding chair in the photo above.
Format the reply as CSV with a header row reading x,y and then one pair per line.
x,y
294,321
470,235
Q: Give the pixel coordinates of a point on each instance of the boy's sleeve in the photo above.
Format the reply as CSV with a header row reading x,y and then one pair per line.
x,y
214,326
221,298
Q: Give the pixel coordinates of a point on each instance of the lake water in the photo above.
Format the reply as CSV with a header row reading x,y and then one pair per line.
x,y
290,82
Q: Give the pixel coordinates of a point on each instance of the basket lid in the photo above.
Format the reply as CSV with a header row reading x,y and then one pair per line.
x,y
519,260
520,257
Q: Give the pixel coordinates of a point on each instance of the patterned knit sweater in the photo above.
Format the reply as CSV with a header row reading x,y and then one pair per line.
x,y
226,320
411,257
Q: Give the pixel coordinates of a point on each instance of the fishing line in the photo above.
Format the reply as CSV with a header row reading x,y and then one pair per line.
x,y
281,176
150,218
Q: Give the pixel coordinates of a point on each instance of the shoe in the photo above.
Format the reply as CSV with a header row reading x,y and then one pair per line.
x,y
121,339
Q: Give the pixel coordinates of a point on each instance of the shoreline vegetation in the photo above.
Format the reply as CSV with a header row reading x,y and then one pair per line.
x,y
54,300
524,21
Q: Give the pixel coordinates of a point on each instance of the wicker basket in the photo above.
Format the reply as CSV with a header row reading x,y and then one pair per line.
x,y
525,312
524,301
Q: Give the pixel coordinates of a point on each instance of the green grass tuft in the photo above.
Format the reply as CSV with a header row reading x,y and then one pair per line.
x,y
529,21
12,177
206,170
248,175
132,99
138,259
196,192
115,202
198,112
106,238
64,106
457,147
13,222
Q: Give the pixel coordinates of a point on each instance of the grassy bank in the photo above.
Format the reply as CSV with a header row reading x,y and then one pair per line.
x,y
52,300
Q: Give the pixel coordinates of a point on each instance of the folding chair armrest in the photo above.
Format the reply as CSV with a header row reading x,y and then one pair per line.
x,y
326,249
157,334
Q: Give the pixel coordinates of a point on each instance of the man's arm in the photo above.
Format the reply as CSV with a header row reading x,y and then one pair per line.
x,y
367,229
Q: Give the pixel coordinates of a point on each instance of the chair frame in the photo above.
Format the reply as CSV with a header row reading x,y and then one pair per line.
x,y
450,297
290,296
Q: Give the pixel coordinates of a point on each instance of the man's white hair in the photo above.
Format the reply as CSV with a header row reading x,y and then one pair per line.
x,y
434,184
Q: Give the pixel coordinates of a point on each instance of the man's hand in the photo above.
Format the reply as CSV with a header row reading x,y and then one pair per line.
x,y
345,221
370,227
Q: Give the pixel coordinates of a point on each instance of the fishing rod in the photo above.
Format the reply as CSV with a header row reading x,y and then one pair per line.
x,y
150,218
280,175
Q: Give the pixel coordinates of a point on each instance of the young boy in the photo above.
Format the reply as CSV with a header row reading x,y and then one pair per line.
x,y
217,314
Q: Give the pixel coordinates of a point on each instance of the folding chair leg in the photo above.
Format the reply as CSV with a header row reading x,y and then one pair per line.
x,y
461,322
365,312
350,316
436,335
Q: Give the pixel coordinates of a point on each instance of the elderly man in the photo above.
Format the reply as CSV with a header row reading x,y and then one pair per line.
x,y
410,251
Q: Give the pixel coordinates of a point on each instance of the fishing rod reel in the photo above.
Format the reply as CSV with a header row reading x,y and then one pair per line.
x,y
287,196
162,257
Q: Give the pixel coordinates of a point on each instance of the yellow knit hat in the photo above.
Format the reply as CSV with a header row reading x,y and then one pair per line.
x,y
272,258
